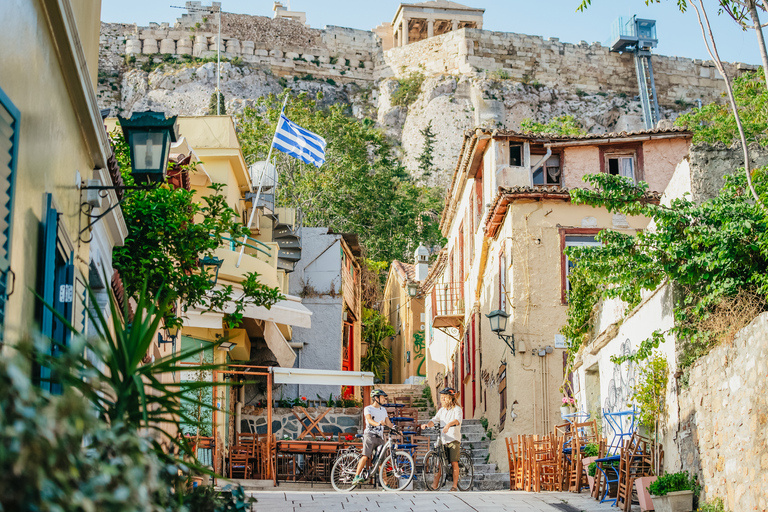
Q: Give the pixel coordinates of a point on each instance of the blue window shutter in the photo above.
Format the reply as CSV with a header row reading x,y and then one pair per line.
x,y
48,251
9,150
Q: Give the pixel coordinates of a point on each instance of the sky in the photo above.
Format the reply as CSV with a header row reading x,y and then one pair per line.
x,y
679,34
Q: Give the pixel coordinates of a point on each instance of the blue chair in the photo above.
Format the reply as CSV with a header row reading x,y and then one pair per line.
x,y
623,424
610,475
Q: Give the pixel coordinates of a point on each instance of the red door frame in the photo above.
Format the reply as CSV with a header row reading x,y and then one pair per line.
x,y
346,363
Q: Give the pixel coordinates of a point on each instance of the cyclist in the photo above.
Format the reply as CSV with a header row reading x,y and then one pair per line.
x,y
450,416
373,437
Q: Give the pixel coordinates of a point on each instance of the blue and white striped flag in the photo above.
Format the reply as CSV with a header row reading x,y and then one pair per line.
x,y
294,140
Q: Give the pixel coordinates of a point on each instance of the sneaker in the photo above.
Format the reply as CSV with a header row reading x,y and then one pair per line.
x,y
357,480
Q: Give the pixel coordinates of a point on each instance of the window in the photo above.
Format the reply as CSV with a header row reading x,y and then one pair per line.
x,y
576,240
502,281
502,395
9,150
516,155
621,166
549,173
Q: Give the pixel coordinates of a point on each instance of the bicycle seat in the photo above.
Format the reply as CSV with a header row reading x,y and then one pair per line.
x,y
358,436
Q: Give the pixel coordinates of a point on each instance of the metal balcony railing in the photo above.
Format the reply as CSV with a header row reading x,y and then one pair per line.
x,y
449,299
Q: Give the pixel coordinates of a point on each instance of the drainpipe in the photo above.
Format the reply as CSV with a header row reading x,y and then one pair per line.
x,y
540,163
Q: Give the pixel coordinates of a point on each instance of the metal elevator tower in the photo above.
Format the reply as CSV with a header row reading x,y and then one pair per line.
x,y
638,36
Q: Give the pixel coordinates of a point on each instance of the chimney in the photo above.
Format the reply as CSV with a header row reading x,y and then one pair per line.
x,y
421,262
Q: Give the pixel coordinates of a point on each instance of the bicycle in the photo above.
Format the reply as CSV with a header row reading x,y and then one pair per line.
x,y
396,468
436,465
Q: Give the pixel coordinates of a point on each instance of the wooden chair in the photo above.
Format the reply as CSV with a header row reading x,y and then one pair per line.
x,y
598,487
636,461
512,459
239,461
582,434
407,400
549,466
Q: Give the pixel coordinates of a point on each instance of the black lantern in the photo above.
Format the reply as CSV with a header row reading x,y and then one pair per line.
x,y
149,136
498,320
171,333
212,262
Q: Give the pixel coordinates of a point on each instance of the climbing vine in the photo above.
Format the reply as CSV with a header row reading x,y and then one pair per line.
x,y
711,252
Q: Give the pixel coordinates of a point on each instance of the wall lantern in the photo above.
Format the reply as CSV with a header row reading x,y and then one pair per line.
x,y
413,289
149,136
171,333
210,262
498,319
226,346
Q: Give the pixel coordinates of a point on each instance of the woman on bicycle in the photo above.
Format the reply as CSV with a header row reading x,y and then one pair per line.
x,y
450,416
373,437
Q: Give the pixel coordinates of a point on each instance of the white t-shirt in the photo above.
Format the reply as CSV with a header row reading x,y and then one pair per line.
x,y
378,414
445,416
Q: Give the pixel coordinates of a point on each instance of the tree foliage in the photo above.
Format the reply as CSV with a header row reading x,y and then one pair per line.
x,y
426,159
711,250
715,122
376,329
560,125
408,89
212,105
362,188
170,230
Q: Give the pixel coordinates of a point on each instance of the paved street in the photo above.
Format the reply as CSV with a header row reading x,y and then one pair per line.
x,y
489,501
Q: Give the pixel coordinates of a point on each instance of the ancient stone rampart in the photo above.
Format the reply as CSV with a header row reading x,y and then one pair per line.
x,y
533,59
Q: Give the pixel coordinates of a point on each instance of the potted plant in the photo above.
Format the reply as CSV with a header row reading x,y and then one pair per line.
x,y
673,492
568,404
591,452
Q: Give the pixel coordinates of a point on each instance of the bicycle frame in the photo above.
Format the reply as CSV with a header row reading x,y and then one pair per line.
x,y
379,456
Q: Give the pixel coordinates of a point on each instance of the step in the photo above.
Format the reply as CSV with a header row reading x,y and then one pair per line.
x,y
477,445
484,469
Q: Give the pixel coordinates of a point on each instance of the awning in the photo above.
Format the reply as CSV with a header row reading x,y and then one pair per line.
x,y
321,377
276,342
289,312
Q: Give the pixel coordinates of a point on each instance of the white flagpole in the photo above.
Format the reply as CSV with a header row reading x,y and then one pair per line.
x,y
255,203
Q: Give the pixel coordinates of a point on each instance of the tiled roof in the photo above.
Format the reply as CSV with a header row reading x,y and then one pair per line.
x,y
406,271
586,136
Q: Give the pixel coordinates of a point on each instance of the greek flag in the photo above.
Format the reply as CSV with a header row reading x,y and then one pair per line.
x,y
294,140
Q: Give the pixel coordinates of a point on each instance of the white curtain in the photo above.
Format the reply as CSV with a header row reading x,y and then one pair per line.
x,y
627,167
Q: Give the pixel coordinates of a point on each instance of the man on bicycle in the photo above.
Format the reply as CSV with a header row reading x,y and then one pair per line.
x,y
373,437
450,416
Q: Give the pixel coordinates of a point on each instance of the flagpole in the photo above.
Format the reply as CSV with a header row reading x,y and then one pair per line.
x,y
261,181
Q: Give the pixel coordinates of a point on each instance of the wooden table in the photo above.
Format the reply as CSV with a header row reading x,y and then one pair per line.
x,y
314,453
308,430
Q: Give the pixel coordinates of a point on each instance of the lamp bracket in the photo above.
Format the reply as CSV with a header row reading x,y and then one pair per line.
x,y
509,339
163,341
86,207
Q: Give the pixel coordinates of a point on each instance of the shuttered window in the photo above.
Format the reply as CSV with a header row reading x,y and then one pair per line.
x,y
9,150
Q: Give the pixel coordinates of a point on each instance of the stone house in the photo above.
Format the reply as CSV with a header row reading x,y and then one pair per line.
x,y
508,218
328,280
403,306
48,243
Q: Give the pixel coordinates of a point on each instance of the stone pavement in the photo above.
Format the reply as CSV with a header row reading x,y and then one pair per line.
x,y
478,501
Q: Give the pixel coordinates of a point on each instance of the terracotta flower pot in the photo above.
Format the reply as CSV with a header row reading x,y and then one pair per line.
x,y
678,501
644,497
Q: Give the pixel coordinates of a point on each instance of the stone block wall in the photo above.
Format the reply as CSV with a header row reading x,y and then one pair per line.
x,y
723,429
345,420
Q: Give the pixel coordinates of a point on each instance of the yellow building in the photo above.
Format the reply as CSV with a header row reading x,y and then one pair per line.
x,y
53,142
508,219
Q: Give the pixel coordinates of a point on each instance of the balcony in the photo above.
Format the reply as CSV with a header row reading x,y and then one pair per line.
x,y
259,257
448,305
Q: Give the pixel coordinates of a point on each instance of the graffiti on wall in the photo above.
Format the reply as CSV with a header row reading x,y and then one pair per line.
x,y
418,352
490,380
622,382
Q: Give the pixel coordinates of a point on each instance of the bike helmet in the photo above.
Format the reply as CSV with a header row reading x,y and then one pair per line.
x,y
377,392
448,391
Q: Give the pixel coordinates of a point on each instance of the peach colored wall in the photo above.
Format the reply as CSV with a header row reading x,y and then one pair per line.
x,y
660,157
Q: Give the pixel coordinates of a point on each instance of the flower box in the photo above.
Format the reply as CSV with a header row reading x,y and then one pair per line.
x,y
678,501
643,496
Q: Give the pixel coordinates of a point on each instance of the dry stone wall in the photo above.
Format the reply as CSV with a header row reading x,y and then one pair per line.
x,y
284,423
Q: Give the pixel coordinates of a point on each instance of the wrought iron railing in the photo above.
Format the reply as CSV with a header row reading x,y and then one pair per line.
x,y
449,299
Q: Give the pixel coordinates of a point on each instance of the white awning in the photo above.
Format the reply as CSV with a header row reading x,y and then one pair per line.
x,y
321,377
289,312
279,346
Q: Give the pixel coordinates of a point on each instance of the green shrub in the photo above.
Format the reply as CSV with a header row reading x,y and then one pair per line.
x,y
408,89
715,505
591,450
672,482
592,469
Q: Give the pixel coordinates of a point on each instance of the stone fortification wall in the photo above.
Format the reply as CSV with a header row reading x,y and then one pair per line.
x,y
532,59
339,420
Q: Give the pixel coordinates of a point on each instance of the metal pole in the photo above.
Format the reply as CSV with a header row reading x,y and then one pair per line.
x,y
218,68
258,192
272,469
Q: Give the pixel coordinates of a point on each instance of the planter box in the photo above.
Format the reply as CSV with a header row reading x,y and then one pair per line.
x,y
679,501
643,496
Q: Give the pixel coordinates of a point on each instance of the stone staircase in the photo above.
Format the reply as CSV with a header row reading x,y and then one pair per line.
x,y
415,391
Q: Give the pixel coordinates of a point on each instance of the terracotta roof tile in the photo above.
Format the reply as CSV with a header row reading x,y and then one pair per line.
x,y
406,271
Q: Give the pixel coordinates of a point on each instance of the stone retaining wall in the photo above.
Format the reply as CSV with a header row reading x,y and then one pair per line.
x,y
284,423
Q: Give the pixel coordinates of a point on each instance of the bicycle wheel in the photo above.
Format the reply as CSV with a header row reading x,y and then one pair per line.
x,y
433,471
466,471
344,471
395,475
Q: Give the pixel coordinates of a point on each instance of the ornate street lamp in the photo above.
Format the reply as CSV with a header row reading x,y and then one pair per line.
x,y
171,333
413,289
212,262
498,320
149,136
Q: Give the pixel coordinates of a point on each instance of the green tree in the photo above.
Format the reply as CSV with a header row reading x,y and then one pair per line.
x,y
560,125
376,329
426,160
362,188
170,230
650,395
212,105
